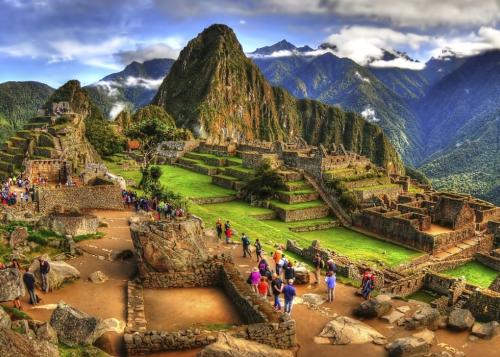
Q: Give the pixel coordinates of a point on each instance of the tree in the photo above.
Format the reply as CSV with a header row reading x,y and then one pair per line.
x,y
265,183
150,134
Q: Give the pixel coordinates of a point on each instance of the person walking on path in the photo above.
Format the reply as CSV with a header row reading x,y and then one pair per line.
x,y
331,281
255,279
263,287
289,272
277,257
246,246
258,250
228,232
367,283
289,292
318,262
44,273
277,288
263,266
29,282
283,262
330,266
218,228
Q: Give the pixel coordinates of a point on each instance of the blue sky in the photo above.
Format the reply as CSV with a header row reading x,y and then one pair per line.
x,y
53,41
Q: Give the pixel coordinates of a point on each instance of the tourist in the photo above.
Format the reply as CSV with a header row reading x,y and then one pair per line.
x,y
263,266
277,257
29,282
246,246
367,283
318,265
277,288
218,228
263,287
331,281
255,280
330,266
44,273
283,262
228,232
289,272
15,264
289,292
258,250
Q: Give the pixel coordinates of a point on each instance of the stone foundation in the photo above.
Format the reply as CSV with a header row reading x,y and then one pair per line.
x,y
489,260
74,224
301,214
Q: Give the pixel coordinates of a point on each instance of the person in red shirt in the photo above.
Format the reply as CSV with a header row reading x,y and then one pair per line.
x,y
263,287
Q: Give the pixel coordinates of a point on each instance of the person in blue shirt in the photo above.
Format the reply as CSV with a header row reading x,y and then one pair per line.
x,y
331,281
289,292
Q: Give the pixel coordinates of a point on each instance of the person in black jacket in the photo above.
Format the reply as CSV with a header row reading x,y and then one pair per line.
x,y
44,272
29,282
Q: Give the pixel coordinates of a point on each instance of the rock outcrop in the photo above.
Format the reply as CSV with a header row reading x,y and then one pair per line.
x,y
376,307
408,347
426,317
11,284
486,330
344,330
460,319
60,273
74,327
301,275
5,321
98,277
169,245
15,344
228,346
18,237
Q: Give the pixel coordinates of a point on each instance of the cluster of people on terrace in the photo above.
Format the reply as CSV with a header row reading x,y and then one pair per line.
x,y
10,195
162,208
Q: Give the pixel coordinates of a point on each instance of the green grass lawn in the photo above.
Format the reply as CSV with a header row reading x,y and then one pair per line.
x,y
350,243
475,273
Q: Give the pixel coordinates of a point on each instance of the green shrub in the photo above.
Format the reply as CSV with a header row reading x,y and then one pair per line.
x,y
265,183
348,200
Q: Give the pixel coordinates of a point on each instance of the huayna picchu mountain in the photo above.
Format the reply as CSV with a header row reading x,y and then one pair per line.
x,y
214,90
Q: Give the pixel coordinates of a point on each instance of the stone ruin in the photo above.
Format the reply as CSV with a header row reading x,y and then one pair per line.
x,y
172,253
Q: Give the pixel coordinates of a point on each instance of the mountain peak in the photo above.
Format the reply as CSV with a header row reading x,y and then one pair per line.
x,y
283,45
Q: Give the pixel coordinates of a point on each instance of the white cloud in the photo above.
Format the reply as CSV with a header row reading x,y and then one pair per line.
x,y
398,63
167,48
117,108
108,87
363,44
143,82
369,114
486,38
287,53
361,78
243,22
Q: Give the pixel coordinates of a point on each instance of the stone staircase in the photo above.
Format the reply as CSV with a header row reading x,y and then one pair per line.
x,y
331,201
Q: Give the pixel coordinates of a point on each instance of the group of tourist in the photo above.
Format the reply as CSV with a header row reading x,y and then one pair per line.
x,y
164,209
29,280
11,197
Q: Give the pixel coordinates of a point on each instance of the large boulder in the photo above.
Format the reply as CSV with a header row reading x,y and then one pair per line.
x,y
425,317
228,346
460,319
373,308
11,284
60,273
18,237
301,274
169,245
74,327
486,330
98,277
43,331
15,344
5,321
344,330
408,347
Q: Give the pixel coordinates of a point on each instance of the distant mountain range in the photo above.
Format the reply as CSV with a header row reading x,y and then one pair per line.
x,y
443,119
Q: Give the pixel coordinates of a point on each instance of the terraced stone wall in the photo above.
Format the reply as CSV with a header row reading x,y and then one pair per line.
x,y
485,305
301,214
489,260
84,197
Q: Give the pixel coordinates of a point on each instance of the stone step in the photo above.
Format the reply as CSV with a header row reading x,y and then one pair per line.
x,y
238,172
291,197
294,214
291,175
229,182
297,185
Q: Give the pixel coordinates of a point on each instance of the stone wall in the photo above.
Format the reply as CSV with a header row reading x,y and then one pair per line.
x,y
85,197
485,305
254,159
406,286
445,285
301,214
298,197
74,224
170,151
53,170
489,260
366,194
